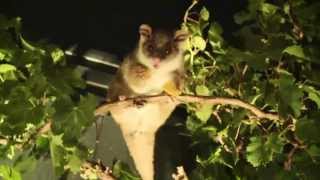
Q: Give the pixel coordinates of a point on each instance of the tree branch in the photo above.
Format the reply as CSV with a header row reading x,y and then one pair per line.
x,y
104,109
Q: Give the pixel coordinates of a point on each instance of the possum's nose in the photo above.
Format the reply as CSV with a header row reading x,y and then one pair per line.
x,y
156,62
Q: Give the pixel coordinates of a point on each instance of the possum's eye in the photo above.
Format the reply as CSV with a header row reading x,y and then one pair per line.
x,y
150,47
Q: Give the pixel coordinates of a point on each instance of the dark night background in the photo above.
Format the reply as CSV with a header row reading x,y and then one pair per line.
x,y
107,25
112,26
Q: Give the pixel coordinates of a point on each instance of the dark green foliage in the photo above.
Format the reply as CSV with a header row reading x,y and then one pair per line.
x,y
274,65
37,87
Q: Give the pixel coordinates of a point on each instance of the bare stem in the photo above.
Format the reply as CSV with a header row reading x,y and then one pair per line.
x,y
104,109
186,14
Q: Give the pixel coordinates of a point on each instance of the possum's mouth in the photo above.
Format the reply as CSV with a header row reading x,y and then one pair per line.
x,y
156,62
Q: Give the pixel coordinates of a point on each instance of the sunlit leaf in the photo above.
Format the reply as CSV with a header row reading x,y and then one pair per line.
x,y
269,9
5,68
295,51
198,42
204,14
57,55
9,173
202,90
74,163
313,94
204,112
57,153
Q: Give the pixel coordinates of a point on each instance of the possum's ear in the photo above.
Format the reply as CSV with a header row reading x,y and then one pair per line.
x,y
145,31
180,38
181,35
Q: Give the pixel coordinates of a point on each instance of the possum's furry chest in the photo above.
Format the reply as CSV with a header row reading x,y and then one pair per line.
x,y
154,82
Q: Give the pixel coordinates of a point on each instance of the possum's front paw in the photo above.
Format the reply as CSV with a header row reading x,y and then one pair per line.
x,y
139,102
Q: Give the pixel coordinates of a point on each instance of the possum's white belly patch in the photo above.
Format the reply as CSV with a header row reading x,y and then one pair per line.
x,y
139,126
141,119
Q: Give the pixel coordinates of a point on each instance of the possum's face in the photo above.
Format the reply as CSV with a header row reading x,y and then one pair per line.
x,y
159,46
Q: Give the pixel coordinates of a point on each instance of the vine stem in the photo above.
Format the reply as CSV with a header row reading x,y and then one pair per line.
x,y
105,108
186,14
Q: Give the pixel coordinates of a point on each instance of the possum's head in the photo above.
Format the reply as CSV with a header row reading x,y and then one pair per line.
x,y
159,46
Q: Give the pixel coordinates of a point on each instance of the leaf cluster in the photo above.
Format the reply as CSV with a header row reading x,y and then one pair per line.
x,y
272,63
41,110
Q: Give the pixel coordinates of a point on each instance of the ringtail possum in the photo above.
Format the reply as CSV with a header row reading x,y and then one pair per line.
x,y
156,62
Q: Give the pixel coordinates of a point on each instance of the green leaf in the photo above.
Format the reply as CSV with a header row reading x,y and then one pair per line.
x,y
74,163
25,163
57,55
6,54
215,157
204,112
286,8
204,14
193,124
250,13
198,42
9,173
215,38
42,143
255,60
121,171
6,23
313,94
260,150
256,154
314,151
5,68
290,95
57,153
295,50
308,129
72,78
268,9
202,90
72,120
275,142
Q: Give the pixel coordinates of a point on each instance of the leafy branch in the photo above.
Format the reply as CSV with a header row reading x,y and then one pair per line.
x,y
122,104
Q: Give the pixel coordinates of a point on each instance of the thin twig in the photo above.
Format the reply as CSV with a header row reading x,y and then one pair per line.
x,y
297,30
297,145
186,14
180,174
45,128
288,162
238,131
